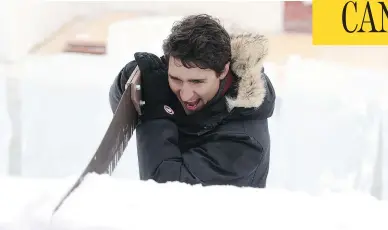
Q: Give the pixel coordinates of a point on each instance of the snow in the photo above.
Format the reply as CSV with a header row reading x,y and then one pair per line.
x,y
141,31
104,202
328,168
60,107
325,135
4,123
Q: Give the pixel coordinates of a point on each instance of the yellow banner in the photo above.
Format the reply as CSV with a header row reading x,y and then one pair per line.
x,y
339,22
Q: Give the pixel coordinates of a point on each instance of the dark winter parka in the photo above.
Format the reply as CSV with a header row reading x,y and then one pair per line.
x,y
226,143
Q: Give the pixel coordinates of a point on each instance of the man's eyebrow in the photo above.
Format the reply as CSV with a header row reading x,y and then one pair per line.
x,y
193,79
198,79
173,76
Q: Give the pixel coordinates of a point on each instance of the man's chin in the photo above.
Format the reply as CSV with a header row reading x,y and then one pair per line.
x,y
188,111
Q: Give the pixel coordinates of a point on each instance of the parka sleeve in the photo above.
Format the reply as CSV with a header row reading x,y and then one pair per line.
x,y
117,88
229,159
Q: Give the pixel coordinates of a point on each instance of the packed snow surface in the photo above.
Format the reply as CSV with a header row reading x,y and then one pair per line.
x,y
103,202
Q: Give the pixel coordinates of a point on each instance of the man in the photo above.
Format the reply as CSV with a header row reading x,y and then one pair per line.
x,y
207,101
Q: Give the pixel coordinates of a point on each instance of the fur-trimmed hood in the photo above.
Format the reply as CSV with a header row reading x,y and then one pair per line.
x,y
248,53
251,94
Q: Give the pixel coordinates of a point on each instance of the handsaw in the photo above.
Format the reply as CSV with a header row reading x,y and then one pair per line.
x,y
117,136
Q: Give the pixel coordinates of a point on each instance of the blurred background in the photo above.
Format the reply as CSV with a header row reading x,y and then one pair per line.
x,y
329,131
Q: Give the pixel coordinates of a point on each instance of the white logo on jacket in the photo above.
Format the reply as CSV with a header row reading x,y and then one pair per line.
x,y
168,110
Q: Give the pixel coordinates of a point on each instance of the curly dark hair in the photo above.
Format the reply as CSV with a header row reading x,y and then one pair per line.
x,y
199,41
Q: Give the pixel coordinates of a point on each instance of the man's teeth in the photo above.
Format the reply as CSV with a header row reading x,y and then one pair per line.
x,y
192,103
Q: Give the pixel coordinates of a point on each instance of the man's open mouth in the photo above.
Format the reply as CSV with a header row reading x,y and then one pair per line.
x,y
192,105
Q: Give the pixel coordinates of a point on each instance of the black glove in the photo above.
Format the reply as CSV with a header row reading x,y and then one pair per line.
x,y
160,101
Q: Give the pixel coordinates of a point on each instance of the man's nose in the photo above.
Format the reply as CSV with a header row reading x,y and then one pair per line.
x,y
186,93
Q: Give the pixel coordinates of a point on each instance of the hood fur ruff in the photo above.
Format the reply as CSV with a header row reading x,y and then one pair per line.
x,y
248,53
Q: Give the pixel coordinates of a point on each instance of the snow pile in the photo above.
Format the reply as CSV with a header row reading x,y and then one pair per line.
x,y
5,125
102,202
65,112
27,203
352,86
325,132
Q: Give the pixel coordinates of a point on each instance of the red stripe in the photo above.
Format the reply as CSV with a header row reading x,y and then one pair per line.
x,y
229,81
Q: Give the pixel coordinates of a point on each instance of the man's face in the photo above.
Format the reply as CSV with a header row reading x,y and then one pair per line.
x,y
194,87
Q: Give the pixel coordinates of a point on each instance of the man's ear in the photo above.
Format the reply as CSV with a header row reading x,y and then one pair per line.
x,y
225,71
